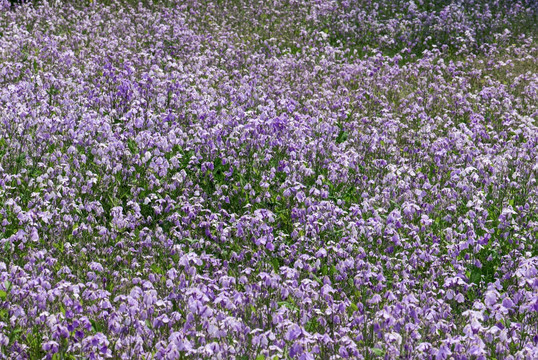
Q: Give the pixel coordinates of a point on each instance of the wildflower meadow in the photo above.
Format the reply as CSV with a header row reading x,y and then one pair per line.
x,y
254,179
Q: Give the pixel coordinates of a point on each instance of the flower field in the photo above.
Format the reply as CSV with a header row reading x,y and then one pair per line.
x,y
287,179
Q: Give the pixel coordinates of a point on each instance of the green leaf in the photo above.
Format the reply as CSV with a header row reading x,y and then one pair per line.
x,y
378,352
260,357
333,270
288,304
96,326
3,295
59,246
217,164
276,264
191,240
156,269
342,136
133,147
476,275
3,314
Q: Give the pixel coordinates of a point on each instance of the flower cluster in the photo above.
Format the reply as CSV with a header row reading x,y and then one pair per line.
x,y
265,180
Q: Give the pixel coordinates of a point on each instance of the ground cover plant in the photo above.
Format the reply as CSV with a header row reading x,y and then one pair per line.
x,y
292,179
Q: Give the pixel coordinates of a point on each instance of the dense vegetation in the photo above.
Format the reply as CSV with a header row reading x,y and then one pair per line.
x,y
186,179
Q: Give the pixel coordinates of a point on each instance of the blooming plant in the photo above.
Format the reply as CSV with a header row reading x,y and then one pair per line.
x,y
294,179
